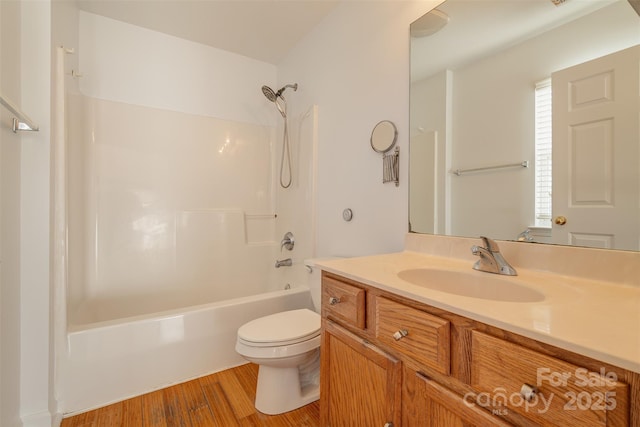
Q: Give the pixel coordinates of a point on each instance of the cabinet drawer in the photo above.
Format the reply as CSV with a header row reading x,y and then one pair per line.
x,y
567,395
414,333
343,302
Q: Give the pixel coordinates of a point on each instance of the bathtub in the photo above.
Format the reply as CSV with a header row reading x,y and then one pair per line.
x,y
112,360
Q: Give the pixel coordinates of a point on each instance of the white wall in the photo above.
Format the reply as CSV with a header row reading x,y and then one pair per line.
x,y
10,147
27,393
36,365
355,66
124,63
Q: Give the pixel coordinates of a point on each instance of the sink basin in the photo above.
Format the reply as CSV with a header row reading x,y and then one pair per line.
x,y
473,284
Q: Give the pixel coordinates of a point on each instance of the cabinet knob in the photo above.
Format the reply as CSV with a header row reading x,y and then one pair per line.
x,y
334,300
398,335
528,392
389,424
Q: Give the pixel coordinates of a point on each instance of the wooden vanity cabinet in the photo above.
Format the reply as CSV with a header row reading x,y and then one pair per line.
x,y
359,382
389,361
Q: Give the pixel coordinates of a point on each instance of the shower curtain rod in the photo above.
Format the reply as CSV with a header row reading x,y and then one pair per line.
x,y
21,121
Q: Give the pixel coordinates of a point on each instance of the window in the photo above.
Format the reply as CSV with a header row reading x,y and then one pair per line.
x,y
543,154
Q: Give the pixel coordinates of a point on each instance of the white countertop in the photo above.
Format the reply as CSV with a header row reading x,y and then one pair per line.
x,y
597,319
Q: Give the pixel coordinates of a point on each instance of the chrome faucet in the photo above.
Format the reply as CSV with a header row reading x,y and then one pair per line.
x,y
491,259
284,263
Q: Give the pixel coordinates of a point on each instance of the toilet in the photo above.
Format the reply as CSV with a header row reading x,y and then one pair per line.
x,y
286,346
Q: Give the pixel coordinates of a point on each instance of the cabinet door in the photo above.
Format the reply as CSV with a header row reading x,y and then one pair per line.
x,y
444,408
360,384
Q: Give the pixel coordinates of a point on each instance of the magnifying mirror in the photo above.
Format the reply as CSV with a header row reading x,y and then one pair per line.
x,y
383,136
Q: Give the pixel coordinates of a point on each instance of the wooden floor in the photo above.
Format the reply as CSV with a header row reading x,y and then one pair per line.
x,y
222,399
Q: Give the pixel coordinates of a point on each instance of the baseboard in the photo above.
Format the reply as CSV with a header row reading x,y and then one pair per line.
x,y
42,419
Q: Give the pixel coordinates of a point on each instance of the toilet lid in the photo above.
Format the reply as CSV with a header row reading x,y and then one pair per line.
x,y
284,328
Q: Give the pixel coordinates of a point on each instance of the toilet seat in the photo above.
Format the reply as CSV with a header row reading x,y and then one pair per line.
x,y
281,329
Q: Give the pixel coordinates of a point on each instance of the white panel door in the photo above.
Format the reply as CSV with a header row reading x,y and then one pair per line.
x,y
596,152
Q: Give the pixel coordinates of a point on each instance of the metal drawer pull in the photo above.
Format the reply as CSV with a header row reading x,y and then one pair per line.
x,y
334,300
528,392
398,335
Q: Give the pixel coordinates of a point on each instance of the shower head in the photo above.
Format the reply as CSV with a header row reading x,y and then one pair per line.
x,y
270,94
273,97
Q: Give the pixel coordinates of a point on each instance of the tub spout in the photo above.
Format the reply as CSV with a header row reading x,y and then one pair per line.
x,y
284,263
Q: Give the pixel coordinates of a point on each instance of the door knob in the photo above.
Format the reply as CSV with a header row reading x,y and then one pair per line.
x,y
560,220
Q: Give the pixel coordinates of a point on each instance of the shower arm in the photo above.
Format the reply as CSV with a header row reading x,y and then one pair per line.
x,y
282,89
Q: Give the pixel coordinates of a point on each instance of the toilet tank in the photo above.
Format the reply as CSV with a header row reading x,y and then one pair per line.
x,y
314,279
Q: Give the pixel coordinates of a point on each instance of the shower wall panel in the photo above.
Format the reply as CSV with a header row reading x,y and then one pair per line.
x,y
171,168
160,201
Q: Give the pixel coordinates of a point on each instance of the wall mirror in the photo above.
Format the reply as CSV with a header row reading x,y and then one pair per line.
x,y
383,136
479,83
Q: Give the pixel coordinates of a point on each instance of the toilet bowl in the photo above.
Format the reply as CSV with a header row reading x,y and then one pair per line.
x,y
286,346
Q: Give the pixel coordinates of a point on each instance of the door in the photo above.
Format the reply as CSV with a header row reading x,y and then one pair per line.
x,y
596,155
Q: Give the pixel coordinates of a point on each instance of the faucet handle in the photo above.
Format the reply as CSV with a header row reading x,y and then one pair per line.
x,y
287,241
490,245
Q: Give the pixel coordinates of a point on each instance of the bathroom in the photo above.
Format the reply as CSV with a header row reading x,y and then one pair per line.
x,y
348,95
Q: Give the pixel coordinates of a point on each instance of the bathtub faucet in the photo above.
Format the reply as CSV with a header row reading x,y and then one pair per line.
x,y
284,263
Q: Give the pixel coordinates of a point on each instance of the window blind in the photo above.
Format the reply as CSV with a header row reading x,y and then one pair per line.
x,y
543,172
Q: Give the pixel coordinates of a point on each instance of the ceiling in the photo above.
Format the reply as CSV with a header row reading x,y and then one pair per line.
x,y
265,30
479,27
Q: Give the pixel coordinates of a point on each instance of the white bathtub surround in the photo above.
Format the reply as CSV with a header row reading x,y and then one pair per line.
x,y
167,203
591,302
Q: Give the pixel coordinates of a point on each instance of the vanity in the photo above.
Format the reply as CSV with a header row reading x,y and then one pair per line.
x,y
404,344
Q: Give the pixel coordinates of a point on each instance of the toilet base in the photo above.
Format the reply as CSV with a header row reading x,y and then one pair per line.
x,y
279,390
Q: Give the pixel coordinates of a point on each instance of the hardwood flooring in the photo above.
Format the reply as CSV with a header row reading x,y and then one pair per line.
x,y
223,399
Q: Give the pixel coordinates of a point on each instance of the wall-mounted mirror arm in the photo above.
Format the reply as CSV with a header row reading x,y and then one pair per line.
x,y
383,139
